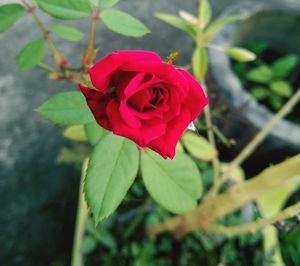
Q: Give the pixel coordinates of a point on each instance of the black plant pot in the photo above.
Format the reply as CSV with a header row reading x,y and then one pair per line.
x,y
276,23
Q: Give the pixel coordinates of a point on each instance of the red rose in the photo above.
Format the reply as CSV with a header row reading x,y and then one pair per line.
x,y
140,97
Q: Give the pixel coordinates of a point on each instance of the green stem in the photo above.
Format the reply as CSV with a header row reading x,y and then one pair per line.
x,y
257,140
257,225
46,67
90,51
254,143
58,56
210,135
82,213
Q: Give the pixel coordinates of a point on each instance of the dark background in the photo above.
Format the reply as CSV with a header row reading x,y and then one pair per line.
x,y
38,194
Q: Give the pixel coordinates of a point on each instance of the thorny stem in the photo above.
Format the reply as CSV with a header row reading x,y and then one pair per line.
x,y
254,143
58,56
210,135
82,213
259,224
89,54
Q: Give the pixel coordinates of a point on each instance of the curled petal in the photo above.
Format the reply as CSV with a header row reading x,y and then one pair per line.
x,y
142,136
101,72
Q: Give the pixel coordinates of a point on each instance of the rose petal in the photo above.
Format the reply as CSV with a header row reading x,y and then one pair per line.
x,y
167,72
142,136
97,102
101,72
128,116
196,99
166,145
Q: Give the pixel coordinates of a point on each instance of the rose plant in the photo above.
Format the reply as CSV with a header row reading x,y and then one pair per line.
x,y
133,103
142,98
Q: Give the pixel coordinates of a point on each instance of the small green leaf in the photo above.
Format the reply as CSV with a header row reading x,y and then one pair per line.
x,y
282,88
204,13
188,17
76,133
107,3
94,132
282,67
75,155
261,74
199,63
259,92
67,108
275,101
66,9
104,3
240,54
31,55
123,23
66,32
88,245
177,22
175,184
112,169
214,28
9,14
198,146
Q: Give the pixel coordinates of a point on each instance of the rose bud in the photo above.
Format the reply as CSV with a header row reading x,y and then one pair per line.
x,y
139,96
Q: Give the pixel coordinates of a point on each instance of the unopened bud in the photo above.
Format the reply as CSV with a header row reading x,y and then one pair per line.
x,y
240,54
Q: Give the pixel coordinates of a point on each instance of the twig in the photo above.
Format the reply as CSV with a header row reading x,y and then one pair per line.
x,y
259,224
210,135
90,51
257,140
254,143
82,213
46,67
58,56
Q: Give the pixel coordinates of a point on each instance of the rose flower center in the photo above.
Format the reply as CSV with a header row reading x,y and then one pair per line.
x,y
150,98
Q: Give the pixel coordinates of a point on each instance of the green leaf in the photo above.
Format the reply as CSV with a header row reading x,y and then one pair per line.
x,y
198,146
214,28
67,108
31,55
76,133
275,101
9,14
66,32
88,245
123,23
282,67
282,88
101,234
75,155
94,132
261,74
199,63
107,3
259,92
177,22
104,3
175,184
204,13
240,54
112,169
66,9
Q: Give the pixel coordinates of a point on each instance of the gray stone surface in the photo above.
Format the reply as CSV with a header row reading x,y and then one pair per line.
x,y
38,194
